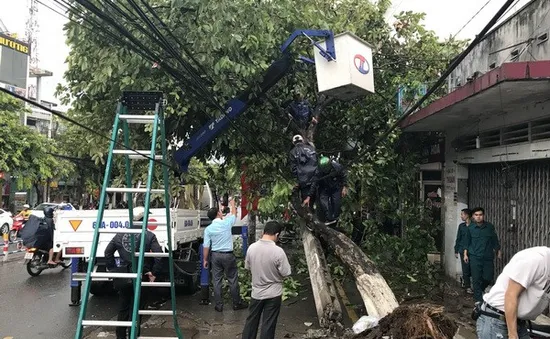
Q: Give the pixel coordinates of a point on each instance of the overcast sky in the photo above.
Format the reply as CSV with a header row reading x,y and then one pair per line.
x,y
445,17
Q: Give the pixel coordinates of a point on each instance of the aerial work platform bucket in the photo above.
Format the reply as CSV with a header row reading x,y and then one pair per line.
x,y
350,75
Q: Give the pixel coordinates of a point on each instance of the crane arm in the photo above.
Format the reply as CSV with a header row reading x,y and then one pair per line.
x,y
245,99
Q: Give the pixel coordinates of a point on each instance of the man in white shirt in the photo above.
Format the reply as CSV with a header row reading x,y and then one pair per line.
x,y
269,266
521,293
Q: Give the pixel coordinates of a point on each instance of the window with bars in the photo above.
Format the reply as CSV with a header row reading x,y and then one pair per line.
x,y
524,132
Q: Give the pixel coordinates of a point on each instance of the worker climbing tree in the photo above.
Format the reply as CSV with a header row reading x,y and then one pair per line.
x,y
331,182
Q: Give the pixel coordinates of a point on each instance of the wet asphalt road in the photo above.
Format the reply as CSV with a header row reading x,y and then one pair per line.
x,y
38,307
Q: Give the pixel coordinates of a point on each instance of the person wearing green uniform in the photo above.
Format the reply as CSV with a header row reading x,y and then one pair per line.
x,y
480,252
460,246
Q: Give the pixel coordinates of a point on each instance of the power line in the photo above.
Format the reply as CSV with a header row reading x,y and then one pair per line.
x,y
140,51
74,122
472,18
444,76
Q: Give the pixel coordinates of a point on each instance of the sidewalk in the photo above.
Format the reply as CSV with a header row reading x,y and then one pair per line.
x,y
198,321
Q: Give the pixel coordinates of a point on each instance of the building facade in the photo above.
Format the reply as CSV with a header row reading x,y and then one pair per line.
x,y
496,124
19,77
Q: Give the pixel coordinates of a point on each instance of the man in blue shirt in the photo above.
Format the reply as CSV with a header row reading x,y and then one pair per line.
x,y
218,240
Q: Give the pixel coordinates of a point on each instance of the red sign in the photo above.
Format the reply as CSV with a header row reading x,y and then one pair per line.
x,y
245,191
152,224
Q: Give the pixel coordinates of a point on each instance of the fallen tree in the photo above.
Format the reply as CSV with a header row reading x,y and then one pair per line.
x,y
329,310
377,296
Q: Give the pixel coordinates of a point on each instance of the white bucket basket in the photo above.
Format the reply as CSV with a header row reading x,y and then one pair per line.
x,y
351,74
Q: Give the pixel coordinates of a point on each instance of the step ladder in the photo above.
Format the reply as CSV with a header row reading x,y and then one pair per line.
x,y
130,105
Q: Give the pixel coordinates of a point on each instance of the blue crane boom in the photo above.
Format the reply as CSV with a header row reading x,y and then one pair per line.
x,y
238,105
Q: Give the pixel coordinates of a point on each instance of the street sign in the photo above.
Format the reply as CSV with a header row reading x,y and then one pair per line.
x,y
407,96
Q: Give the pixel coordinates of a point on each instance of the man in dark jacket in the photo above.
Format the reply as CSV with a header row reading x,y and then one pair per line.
x,y
460,246
301,111
303,164
121,243
331,180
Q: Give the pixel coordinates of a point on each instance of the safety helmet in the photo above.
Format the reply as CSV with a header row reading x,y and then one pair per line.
x,y
139,212
324,162
297,138
26,206
48,212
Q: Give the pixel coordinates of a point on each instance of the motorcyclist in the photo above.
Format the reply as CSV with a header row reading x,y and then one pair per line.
x,y
331,179
48,218
121,243
303,164
44,234
25,213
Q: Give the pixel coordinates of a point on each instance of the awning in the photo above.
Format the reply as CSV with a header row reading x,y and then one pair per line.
x,y
503,89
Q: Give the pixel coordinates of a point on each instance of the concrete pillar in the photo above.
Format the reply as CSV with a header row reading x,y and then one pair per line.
x,y
455,198
38,88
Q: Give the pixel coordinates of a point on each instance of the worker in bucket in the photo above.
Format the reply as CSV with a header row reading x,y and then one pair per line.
x,y
303,164
152,268
331,181
520,294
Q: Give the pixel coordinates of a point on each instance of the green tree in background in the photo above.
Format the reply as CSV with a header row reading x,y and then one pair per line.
x,y
26,154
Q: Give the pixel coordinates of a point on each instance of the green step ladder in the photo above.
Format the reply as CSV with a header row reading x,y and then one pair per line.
x,y
130,104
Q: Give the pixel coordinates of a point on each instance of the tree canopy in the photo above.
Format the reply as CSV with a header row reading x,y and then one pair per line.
x,y
235,42
26,154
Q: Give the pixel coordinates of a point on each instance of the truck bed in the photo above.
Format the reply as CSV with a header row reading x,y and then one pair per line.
x,y
74,230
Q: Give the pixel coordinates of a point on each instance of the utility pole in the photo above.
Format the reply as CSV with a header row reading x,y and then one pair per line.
x,y
31,30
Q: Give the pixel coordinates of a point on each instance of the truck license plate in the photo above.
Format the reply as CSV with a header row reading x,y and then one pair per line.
x,y
29,255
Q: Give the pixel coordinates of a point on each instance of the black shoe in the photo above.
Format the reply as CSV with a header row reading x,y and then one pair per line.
x,y
219,308
240,306
204,302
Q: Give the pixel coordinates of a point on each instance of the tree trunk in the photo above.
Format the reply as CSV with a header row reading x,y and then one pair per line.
x,y
251,227
377,296
329,310
322,102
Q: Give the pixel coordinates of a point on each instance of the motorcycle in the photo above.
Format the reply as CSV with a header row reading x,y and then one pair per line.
x,y
36,261
18,223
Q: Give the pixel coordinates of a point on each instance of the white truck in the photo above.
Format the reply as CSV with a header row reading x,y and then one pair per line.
x,y
74,230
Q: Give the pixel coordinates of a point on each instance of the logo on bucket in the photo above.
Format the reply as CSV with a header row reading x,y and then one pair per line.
x,y
361,64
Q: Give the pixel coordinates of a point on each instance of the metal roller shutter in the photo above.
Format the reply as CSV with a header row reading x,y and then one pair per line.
x,y
498,188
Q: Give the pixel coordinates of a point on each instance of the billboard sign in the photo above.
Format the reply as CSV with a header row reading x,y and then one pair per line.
x,y
14,61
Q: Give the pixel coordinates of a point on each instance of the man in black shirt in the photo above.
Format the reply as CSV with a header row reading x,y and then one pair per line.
x,y
152,267
331,179
303,164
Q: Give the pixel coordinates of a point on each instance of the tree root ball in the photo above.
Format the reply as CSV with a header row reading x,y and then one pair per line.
x,y
422,321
